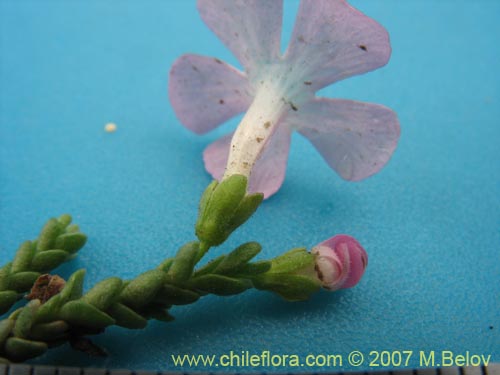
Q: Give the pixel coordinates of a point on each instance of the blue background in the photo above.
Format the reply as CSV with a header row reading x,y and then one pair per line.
x,y
430,220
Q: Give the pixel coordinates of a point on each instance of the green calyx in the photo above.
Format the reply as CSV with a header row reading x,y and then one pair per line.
x,y
57,243
224,207
291,275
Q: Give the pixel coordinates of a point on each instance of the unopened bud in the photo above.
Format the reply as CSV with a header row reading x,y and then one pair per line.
x,y
340,262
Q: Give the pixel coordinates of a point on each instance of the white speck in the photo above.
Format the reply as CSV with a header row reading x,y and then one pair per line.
x,y
110,127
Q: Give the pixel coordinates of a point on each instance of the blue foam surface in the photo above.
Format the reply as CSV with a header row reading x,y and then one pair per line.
x,y
430,220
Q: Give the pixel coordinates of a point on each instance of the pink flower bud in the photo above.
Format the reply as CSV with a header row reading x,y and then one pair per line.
x,y
340,262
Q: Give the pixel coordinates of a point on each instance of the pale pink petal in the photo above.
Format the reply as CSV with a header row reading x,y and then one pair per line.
x,y
332,41
251,29
268,173
356,139
215,156
205,92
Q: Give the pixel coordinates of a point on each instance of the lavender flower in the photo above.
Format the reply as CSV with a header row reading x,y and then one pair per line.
x,y
331,41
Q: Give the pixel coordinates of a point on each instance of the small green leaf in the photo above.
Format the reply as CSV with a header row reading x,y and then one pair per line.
x,y
220,285
13,315
290,287
237,258
158,313
23,257
74,287
48,260
173,295
209,267
126,317
48,235
71,242
49,331
184,262
7,299
256,268
20,349
64,219
166,264
4,276
84,314
6,327
26,319
72,228
104,293
22,281
49,310
142,289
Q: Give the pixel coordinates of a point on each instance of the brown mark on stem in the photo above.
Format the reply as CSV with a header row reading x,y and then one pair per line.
x,y
45,287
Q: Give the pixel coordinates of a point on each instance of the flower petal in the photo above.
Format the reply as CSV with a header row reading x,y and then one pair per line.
x,y
356,139
251,29
215,156
269,170
205,92
268,173
331,41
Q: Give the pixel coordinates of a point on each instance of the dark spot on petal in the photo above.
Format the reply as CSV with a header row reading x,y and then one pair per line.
x,y
259,139
363,47
221,101
301,39
218,61
194,68
308,83
293,106
267,124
